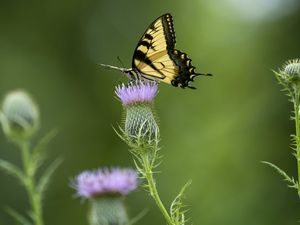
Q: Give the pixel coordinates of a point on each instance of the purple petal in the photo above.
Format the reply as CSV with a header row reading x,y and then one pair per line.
x,y
139,92
106,181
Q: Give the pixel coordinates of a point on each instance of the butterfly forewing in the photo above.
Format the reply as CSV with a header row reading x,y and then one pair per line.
x,y
156,59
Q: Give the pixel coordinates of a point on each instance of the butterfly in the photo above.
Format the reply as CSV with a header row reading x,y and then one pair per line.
x,y
155,57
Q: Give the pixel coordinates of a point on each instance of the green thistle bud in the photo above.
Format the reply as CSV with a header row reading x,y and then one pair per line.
x,y
291,71
137,99
19,116
292,67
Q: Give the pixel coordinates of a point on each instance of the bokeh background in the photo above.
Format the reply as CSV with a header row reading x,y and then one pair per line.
x,y
215,136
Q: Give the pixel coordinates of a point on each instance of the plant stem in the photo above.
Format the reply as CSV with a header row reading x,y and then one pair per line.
x,y
33,195
297,137
148,173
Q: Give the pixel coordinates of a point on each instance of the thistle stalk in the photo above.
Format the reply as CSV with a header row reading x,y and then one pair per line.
x,y
297,131
148,173
145,152
30,186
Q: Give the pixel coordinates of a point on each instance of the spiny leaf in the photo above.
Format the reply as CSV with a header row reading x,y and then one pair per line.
x,y
290,180
120,135
38,153
282,81
45,178
12,170
139,169
18,217
138,217
176,212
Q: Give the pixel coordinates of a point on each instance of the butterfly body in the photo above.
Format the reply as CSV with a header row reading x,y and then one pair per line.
x,y
155,57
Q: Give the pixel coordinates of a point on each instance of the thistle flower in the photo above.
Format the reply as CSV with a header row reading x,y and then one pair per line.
x,y
137,99
104,188
19,116
106,182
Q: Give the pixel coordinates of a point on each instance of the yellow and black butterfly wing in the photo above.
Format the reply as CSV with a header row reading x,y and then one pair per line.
x,y
156,58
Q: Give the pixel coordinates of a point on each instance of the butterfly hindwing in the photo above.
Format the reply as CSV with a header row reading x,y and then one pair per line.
x,y
186,71
156,58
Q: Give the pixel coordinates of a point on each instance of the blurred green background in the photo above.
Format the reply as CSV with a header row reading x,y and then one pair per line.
x,y
215,136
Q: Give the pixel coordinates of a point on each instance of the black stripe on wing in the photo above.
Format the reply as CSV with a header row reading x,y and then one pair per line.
x,y
143,58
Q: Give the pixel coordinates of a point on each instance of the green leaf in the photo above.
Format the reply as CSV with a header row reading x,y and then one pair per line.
x,y
138,217
12,170
45,178
290,180
18,217
38,153
177,206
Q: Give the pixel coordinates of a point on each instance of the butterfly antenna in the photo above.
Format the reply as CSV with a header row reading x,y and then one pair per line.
x,y
113,67
120,61
125,71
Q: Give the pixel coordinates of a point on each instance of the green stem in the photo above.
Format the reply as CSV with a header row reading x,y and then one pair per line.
x,y
152,187
33,195
297,138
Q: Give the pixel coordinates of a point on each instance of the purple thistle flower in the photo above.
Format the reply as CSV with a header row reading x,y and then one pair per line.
x,y
138,92
106,181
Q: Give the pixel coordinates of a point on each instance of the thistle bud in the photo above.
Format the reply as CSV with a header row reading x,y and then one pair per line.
x,y
137,99
105,188
19,116
291,71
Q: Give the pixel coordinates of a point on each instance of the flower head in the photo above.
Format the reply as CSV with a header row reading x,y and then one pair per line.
x,y
289,75
106,181
137,92
19,115
292,67
140,122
